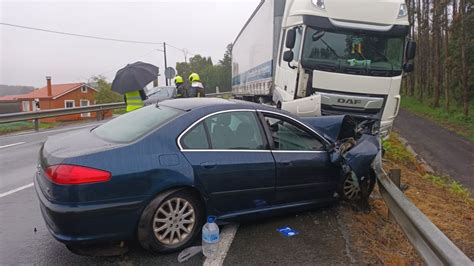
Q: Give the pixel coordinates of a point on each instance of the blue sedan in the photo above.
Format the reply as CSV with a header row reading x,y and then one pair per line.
x,y
155,173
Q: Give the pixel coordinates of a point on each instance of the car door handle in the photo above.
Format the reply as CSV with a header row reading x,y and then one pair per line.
x,y
208,165
287,164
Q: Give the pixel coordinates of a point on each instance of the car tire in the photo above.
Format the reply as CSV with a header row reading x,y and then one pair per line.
x,y
348,189
171,222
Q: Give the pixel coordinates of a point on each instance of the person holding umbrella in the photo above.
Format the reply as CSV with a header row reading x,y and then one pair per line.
x,y
134,99
131,80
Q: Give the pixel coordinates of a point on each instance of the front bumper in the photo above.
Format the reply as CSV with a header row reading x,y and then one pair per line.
x,y
73,223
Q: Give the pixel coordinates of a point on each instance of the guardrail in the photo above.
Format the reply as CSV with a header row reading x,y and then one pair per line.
x,y
225,95
23,116
432,245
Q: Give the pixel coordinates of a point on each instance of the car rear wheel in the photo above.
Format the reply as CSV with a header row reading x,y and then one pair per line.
x,y
349,188
170,222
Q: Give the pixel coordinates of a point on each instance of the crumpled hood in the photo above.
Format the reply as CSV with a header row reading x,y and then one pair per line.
x,y
333,128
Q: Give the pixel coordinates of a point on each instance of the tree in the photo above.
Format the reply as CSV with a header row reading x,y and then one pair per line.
x,y
105,93
212,76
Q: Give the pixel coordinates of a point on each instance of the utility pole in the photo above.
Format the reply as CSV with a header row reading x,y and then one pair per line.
x,y
166,66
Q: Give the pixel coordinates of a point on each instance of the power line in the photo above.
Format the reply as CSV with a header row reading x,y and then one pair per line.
x,y
79,35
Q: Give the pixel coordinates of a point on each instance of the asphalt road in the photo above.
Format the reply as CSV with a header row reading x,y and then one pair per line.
x,y
446,152
322,239
26,240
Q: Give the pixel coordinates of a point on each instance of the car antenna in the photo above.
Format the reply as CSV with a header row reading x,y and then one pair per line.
x,y
157,102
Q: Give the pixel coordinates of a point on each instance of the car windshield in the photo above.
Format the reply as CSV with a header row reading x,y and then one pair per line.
x,y
353,53
133,125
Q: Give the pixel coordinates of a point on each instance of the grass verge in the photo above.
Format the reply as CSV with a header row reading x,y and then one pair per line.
x,y
379,240
453,120
23,125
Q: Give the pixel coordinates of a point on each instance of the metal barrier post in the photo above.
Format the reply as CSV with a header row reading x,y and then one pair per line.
x,y
394,175
36,124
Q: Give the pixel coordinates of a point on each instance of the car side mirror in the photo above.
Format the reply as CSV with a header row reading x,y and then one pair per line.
x,y
288,56
408,67
290,38
410,50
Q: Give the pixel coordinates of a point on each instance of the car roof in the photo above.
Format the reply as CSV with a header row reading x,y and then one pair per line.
x,y
188,104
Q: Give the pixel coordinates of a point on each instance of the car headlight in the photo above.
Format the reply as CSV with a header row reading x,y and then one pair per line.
x,y
403,12
319,4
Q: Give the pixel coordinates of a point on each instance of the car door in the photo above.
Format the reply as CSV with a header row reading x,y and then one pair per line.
x,y
303,167
231,160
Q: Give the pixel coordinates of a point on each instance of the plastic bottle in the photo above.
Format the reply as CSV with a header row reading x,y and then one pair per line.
x,y
210,238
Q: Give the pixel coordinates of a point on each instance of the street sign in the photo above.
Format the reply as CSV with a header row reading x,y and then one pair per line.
x,y
170,72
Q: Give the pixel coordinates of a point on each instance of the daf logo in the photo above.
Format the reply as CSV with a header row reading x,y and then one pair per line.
x,y
348,101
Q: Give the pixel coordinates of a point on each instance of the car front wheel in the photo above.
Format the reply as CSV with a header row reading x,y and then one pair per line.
x,y
170,222
349,188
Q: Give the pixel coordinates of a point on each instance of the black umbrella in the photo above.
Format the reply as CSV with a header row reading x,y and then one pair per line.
x,y
134,77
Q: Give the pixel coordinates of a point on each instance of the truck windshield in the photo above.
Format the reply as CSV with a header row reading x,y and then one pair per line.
x,y
353,53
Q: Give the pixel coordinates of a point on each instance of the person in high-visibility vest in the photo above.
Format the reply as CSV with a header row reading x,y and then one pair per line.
x,y
181,91
196,89
134,99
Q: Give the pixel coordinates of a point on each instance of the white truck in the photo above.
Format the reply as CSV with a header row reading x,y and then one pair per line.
x,y
314,57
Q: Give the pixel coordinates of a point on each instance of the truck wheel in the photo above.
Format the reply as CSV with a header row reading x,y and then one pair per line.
x,y
170,222
279,105
349,189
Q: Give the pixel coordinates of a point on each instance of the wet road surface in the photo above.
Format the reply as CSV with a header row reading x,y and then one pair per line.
x,y
322,240
446,152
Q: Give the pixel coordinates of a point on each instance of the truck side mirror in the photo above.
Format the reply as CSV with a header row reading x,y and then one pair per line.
x,y
410,50
288,56
408,67
290,38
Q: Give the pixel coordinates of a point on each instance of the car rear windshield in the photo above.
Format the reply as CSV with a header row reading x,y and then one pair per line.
x,y
133,125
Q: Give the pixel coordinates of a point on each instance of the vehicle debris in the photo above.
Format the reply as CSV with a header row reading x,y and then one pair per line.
x,y
287,231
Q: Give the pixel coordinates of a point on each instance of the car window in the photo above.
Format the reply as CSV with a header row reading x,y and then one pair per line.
x,y
289,136
195,138
235,130
133,125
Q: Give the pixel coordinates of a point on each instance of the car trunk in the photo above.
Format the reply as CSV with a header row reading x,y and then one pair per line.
x,y
66,149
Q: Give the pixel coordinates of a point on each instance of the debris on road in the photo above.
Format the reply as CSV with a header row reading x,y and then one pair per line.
x,y
188,253
287,231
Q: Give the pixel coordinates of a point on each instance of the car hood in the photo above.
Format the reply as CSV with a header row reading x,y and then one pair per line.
x,y
333,128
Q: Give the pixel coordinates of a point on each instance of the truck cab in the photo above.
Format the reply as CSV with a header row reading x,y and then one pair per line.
x,y
350,53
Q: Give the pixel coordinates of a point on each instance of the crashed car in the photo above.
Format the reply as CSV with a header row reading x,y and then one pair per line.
x,y
155,173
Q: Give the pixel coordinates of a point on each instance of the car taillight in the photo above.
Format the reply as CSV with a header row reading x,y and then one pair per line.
x,y
64,174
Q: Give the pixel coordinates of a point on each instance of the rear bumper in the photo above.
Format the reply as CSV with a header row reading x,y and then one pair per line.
x,y
90,223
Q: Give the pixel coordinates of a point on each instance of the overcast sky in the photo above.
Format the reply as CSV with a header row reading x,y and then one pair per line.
x,y
201,27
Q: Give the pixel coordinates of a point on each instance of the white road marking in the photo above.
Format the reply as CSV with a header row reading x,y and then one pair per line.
x,y
227,235
15,190
13,144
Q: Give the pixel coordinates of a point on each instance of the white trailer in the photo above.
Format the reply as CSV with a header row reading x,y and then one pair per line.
x,y
325,56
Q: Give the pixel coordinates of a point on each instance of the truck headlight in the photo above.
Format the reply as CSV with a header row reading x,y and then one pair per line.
x,y
403,12
319,4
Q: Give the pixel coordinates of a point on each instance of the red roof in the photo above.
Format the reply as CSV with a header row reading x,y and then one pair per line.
x,y
57,89
7,98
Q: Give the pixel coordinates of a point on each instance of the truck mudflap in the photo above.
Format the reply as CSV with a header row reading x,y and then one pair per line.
x,y
308,106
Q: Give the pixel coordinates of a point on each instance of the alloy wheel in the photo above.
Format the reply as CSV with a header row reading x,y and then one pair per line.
x,y
351,187
174,221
